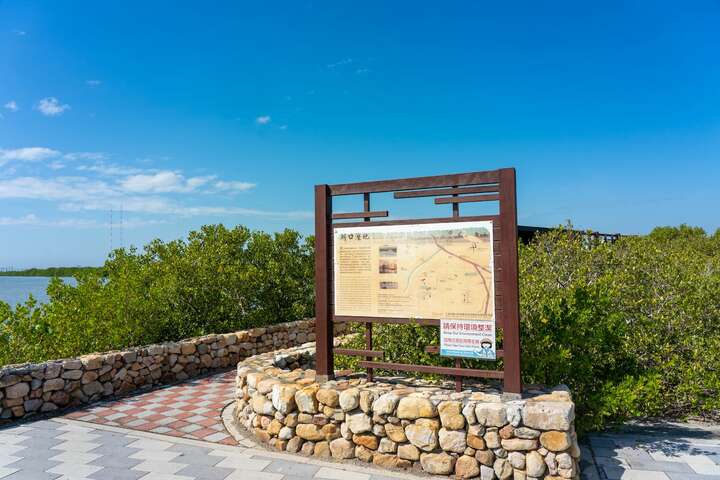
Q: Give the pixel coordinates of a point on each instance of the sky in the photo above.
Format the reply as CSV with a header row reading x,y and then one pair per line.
x,y
174,114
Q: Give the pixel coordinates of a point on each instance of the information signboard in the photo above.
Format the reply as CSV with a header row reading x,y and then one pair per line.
x,y
440,271
469,339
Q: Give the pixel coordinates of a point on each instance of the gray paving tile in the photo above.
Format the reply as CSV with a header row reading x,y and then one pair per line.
x,y
112,473
691,476
119,459
38,464
32,475
204,472
659,466
116,450
289,468
41,443
198,458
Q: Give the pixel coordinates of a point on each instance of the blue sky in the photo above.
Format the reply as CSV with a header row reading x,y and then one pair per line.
x,y
187,113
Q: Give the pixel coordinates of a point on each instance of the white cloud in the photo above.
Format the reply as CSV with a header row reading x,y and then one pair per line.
x,y
233,186
263,120
283,127
85,156
340,63
93,83
29,219
20,33
56,165
60,188
12,106
27,154
163,182
110,169
51,107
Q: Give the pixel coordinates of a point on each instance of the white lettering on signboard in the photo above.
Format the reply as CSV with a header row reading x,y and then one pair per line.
x,y
468,338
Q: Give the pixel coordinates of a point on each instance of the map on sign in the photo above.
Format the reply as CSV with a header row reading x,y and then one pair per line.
x,y
440,270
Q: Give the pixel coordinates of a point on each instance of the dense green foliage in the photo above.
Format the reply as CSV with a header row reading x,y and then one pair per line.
x,y
631,327
49,272
218,280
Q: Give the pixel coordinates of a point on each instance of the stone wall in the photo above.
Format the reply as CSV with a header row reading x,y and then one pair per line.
x,y
468,434
57,384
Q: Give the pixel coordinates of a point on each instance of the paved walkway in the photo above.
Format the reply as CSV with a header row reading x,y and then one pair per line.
x,y
658,452
177,433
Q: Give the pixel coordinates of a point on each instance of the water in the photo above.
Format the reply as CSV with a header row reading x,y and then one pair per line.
x,y
15,290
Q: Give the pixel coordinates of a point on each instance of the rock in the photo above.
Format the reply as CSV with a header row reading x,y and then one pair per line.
x,y
555,441
524,432
487,473
260,404
385,404
491,414
451,415
322,450
286,433
363,453
474,437
366,400
349,399
517,460
263,386
342,449
519,475
415,407
88,377
468,412
396,433
389,461
366,440
72,374
548,415
513,444
387,446
422,435
408,452
309,431
294,444
274,427
329,397
503,469
359,422
492,439
92,388
305,399
513,412
308,448
32,405
437,463
506,431
92,362
466,467
534,464
19,390
564,461
283,398
452,440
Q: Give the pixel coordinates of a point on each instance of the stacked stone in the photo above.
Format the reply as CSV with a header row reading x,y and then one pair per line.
x,y
469,434
53,385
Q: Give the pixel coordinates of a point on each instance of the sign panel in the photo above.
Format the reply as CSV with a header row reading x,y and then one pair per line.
x,y
467,338
440,270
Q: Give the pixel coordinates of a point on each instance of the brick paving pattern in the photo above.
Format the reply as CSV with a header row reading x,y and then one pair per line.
x,y
189,410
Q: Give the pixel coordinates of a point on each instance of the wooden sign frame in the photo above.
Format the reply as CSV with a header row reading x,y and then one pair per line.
x,y
492,185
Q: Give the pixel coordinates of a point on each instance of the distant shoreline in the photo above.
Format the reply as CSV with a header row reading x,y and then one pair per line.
x,y
49,272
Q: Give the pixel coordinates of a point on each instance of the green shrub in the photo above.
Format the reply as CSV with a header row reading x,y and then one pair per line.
x,y
631,326
218,280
